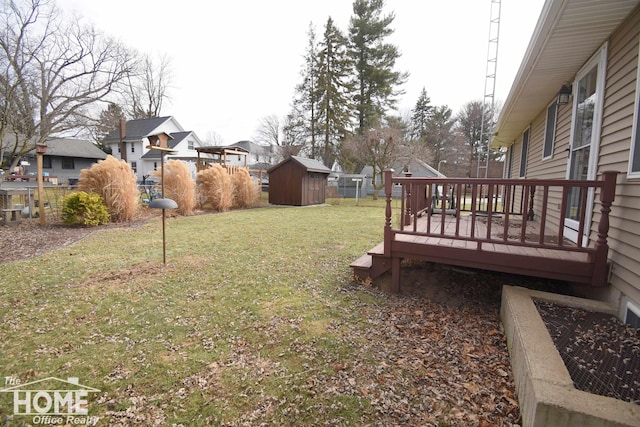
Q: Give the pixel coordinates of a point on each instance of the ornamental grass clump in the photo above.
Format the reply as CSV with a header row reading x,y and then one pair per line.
x,y
82,208
115,182
245,191
215,190
179,186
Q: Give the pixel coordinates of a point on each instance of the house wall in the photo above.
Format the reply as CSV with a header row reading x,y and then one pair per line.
x,y
613,154
617,124
63,175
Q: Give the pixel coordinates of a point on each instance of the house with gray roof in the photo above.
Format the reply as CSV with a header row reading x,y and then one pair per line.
x,y
64,159
135,141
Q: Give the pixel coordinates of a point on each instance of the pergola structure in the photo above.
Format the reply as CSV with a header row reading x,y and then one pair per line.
x,y
220,155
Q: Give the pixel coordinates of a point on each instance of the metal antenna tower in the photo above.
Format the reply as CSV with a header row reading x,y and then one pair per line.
x,y
488,102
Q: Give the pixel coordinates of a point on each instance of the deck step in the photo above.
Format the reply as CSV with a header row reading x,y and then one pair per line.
x,y
377,250
362,266
372,264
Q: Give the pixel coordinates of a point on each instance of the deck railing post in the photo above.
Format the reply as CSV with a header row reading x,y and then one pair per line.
x,y
607,195
388,189
407,215
531,214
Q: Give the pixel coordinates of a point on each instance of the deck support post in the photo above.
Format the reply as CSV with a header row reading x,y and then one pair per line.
x,y
388,233
395,274
607,195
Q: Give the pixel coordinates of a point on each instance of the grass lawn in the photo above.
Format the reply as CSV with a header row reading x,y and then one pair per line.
x,y
253,321
250,306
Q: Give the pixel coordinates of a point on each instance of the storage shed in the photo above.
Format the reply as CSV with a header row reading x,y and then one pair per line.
x,y
298,181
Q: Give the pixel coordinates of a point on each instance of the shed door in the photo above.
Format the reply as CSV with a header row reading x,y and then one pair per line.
x,y
585,136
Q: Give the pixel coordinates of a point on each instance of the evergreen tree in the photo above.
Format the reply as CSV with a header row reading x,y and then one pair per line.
x,y
375,79
108,121
421,114
439,135
334,91
304,110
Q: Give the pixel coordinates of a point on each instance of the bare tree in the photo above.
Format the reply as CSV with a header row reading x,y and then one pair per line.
x,y
380,148
268,131
148,86
214,138
54,71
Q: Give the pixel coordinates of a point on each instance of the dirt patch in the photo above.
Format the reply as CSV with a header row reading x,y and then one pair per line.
x,y
27,239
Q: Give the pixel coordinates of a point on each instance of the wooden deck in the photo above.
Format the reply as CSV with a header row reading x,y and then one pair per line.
x,y
516,238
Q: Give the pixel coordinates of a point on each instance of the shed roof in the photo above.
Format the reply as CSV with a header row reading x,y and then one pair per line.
x,y
310,165
567,34
77,148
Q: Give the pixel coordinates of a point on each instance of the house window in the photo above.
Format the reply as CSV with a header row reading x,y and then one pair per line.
x,y
134,167
118,148
46,162
133,148
155,166
190,145
523,156
510,163
550,130
67,163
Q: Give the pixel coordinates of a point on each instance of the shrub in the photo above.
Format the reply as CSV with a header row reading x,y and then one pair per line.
x,y
245,191
115,182
82,208
179,186
215,188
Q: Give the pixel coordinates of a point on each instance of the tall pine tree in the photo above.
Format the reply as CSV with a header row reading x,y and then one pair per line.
x,y
304,111
334,89
376,81
420,116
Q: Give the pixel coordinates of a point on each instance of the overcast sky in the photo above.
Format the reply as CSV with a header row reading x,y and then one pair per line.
x,y
235,62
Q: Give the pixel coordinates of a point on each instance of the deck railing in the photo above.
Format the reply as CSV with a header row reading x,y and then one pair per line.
x,y
517,212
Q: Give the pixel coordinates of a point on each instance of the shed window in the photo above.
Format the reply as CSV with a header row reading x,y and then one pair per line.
x,y
550,130
523,156
67,163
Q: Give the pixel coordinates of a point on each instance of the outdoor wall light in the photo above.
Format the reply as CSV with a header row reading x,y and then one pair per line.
x,y
564,94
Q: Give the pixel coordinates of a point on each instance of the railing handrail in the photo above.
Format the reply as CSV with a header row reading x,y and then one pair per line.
x,y
502,181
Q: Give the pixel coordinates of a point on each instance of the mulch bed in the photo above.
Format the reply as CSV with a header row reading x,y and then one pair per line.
x,y
601,353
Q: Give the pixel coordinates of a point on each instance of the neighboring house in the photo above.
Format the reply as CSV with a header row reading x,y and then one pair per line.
x,y
590,50
65,158
136,141
259,155
416,167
